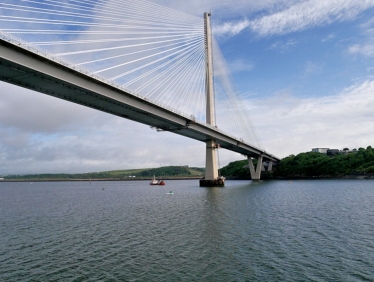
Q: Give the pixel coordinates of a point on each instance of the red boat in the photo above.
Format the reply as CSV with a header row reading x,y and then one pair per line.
x,y
157,182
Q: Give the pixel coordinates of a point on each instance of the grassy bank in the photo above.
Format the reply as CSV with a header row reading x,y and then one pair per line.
x,y
168,172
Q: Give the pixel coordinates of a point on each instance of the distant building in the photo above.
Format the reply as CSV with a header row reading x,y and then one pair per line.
x,y
320,150
332,152
1,178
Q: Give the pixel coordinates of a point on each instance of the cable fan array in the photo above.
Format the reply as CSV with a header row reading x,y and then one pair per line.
x,y
154,51
233,111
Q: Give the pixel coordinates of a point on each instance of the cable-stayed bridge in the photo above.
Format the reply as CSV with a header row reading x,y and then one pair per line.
x,y
133,59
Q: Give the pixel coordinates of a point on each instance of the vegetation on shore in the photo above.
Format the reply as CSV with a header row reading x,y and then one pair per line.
x,y
311,164
236,169
147,173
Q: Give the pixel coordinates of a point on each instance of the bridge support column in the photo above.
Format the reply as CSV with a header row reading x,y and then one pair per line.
x,y
211,178
270,166
255,173
211,168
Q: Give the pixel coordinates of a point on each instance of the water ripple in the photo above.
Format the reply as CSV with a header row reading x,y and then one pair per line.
x,y
266,231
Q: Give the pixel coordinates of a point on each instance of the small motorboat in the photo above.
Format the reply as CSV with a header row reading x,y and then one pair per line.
x,y
170,193
154,181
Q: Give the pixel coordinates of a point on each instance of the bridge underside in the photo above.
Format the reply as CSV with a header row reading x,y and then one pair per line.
x,y
27,69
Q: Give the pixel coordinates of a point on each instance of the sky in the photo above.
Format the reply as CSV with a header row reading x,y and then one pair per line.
x,y
305,67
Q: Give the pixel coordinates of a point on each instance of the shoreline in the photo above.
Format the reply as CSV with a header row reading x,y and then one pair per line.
x,y
98,180
346,177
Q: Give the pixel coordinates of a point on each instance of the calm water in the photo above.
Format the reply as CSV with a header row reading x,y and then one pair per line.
x,y
130,231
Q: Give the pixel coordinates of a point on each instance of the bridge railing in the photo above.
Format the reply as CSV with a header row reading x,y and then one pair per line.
x,y
34,49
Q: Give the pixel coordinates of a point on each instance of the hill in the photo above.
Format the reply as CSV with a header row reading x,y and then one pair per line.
x,y
236,170
303,165
147,173
319,165
312,165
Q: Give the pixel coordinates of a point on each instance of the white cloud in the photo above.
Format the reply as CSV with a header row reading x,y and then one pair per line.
x,y
294,125
366,50
328,38
223,8
230,28
297,16
44,113
240,65
309,14
312,67
283,46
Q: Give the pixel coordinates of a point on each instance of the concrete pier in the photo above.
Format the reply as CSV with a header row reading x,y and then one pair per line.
x,y
255,173
211,167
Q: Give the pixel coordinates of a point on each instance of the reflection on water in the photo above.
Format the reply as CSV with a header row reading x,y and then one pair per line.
x,y
130,231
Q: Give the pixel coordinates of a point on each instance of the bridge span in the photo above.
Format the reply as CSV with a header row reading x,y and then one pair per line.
x,y
22,65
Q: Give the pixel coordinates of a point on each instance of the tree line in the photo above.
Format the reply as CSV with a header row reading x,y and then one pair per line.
x,y
309,164
312,164
173,171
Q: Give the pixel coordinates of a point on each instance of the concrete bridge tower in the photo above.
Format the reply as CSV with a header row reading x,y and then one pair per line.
x,y
211,168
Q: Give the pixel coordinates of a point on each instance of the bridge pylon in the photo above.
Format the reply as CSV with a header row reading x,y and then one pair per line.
x,y
212,177
256,172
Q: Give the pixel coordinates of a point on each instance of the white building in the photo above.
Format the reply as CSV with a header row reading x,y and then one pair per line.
x,y
320,150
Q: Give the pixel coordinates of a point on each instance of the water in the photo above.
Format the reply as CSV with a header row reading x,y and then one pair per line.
x,y
131,231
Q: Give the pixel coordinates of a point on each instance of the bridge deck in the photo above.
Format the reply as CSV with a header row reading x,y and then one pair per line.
x,y
28,69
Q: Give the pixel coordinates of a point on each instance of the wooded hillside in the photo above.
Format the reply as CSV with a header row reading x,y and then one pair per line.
x,y
315,164
312,164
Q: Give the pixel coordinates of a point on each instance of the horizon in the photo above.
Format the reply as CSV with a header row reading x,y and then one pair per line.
x,y
188,166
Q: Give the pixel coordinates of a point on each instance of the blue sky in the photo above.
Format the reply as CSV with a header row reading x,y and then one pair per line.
x,y
305,69
314,62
